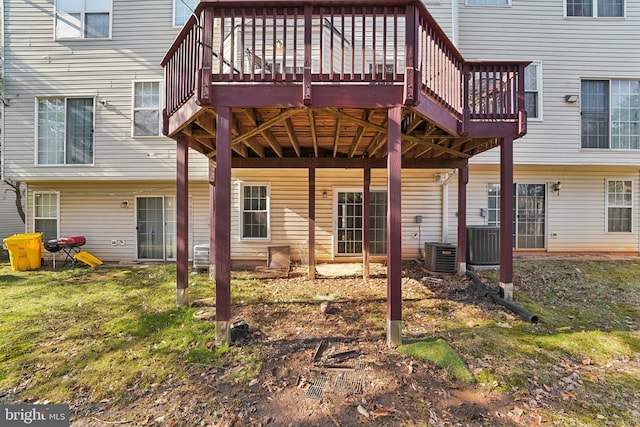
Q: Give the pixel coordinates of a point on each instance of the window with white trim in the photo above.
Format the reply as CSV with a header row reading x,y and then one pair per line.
x,y
493,203
83,19
595,8
488,2
532,91
65,131
610,114
45,214
254,206
146,108
619,206
182,11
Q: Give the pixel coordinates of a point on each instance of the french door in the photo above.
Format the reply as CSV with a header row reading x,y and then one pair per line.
x,y
349,222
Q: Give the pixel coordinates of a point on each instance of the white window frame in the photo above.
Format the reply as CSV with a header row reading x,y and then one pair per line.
x,y
134,108
37,132
488,3
497,208
83,23
594,12
539,91
607,206
241,236
609,118
174,14
57,217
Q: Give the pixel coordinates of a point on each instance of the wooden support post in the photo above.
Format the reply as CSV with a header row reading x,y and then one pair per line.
x,y
312,223
182,226
394,228
212,220
463,180
366,221
223,226
506,217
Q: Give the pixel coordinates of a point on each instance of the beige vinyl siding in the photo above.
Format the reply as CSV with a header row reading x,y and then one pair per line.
x,y
10,222
93,210
38,66
576,215
568,49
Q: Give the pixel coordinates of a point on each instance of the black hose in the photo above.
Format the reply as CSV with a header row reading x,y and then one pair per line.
x,y
497,294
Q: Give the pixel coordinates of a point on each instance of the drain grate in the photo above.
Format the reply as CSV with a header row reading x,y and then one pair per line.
x,y
316,390
350,382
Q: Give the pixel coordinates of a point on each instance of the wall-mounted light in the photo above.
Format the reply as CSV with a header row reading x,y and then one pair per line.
x,y
571,99
278,45
124,204
325,194
103,102
557,186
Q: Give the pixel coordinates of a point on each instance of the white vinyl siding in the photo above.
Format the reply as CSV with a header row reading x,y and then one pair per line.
x,y
11,222
146,108
488,2
254,211
595,8
82,19
619,206
65,131
182,10
611,114
45,214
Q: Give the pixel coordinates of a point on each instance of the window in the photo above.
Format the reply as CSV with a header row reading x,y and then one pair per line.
x,y
255,211
146,108
45,216
182,10
610,114
83,19
65,131
493,200
619,206
488,2
532,86
595,8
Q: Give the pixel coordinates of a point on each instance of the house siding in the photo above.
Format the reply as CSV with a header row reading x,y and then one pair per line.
x,y
10,222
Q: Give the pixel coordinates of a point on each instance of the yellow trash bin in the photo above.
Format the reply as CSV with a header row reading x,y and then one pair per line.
x,y
25,251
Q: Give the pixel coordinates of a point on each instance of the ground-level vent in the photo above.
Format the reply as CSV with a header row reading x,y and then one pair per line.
x,y
483,245
440,257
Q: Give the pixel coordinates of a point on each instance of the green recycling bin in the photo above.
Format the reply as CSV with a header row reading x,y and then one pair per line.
x,y
25,251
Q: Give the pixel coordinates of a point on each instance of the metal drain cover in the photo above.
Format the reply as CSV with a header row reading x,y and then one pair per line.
x,y
350,382
316,390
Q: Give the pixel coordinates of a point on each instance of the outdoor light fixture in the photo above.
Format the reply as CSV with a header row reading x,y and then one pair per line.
x,y
124,204
324,194
278,45
557,187
572,99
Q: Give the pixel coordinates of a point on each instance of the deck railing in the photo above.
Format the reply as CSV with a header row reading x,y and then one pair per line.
x,y
321,42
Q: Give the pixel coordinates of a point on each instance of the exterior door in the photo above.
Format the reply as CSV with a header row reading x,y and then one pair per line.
x,y
349,210
530,221
150,227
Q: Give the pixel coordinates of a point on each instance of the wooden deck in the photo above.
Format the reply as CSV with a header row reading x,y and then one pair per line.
x,y
350,84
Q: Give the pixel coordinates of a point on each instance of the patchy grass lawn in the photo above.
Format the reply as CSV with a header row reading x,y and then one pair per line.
x,y
113,338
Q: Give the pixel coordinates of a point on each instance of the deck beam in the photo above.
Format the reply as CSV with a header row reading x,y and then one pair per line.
x,y
463,180
182,222
506,217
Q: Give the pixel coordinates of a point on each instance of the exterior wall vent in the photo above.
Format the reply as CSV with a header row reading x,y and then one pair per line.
x,y
483,245
201,257
440,257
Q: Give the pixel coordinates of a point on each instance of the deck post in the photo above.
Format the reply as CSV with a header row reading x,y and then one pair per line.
x,y
463,180
212,220
312,223
223,226
182,225
506,217
366,221
394,228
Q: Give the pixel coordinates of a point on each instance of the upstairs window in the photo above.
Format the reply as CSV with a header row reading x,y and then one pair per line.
x,y
182,11
619,206
65,131
146,108
532,91
596,8
83,19
610,114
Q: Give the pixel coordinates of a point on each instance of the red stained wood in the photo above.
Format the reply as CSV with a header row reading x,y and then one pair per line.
x,y
223,215
212,213
182,207
506,210
312,223
463,180
366,221
394,214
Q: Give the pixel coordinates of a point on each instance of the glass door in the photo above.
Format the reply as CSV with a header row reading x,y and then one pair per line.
x,y
530,216
150,227
350,221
